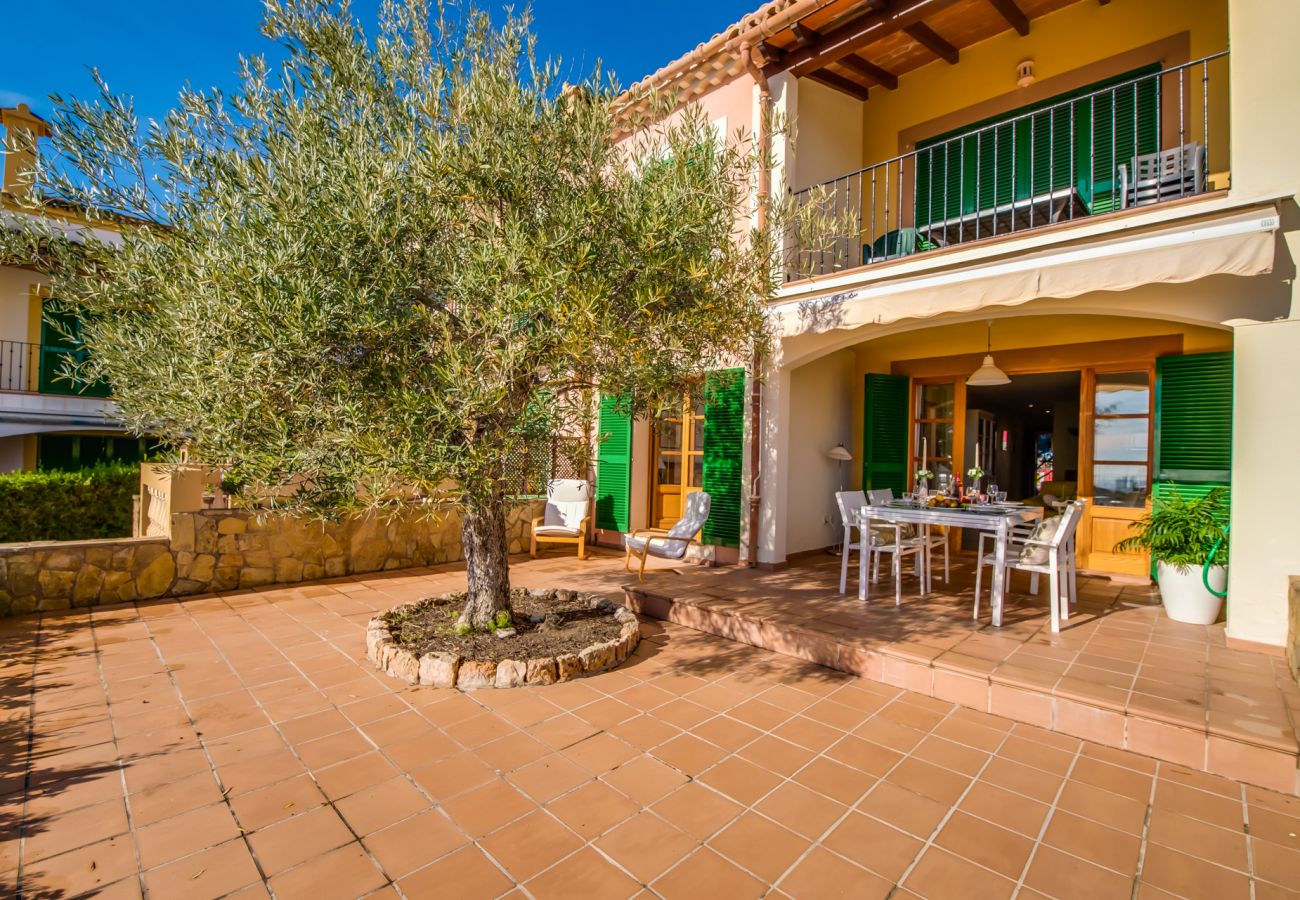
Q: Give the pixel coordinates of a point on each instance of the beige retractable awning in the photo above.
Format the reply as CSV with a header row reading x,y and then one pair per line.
x,y
1236,244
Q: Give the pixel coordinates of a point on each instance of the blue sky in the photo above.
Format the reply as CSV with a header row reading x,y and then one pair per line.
x,y
150,48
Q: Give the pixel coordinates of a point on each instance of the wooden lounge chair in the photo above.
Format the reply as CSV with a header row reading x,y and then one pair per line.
x,y
568,512
671,543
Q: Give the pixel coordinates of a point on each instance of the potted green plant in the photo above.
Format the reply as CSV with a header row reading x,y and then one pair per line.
x,y
1180,533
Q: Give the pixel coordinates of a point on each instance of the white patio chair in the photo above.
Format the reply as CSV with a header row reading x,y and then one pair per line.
x,y
1049,550
672,543
899,541
1166,175
568,511
849,503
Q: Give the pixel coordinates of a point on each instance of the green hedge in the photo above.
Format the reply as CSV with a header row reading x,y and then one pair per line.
x,y
67,506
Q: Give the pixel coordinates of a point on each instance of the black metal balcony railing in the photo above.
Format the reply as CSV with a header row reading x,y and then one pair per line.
x,y
39,369
1144,137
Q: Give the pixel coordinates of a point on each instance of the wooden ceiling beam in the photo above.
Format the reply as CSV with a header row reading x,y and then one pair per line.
x,y
928,38
1014,15
803,35
852,36
870,71
839,83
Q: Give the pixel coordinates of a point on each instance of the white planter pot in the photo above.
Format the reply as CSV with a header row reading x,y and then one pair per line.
x,y
1184,595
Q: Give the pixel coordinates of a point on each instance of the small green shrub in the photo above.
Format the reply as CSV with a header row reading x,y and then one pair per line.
x,y
67,506
1181,531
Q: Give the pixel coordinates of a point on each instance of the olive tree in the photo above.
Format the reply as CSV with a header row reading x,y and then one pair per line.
x,y
396,259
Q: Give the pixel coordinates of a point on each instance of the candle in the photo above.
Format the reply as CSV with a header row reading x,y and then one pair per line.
x,y
925,455
977,456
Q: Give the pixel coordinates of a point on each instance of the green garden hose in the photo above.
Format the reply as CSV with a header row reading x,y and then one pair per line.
x,y
1209,561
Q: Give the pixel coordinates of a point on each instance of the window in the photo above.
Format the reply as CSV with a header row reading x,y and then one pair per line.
x,y
936,406
679,457
1121,445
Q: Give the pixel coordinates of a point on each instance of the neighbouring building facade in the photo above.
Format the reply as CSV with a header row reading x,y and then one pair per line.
x,y
1099,194
46,421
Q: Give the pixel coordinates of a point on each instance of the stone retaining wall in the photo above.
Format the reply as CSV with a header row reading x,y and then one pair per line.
x,y
220,550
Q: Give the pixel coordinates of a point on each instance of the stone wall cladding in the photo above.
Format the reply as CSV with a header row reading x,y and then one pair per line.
x,y
222,550
447,670
1293,627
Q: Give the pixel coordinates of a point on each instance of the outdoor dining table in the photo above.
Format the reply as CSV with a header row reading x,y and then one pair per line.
x,y
997,518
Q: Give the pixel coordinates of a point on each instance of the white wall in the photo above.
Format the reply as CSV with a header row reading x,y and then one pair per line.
x,y
1265,442
821,416
15,294
828,138
11,453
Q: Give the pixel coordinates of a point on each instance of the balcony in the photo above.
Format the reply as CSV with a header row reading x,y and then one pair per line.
x,y
39,369
1140,139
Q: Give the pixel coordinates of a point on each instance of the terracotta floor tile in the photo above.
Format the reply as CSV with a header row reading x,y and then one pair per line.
x,y
292,841
928,780
84,870
549,777
706,874
584,874
157,803
360,772
741,780
646,732
823,874
592,809
336,748
903,809
1021,779
991,803
1207,807
1275,863
529,845
689,754
835,780
466,874
381,805
1188,876
508,753
211,873
941,874
315,725
645,845
187,833
487,808
759,845
454,775
697,810
291,797
345,872
760,714
1097,843
873,844
562,731
803,811
1102,806
600,753
1003,851
1117,780
644,779
49,835
413,842
1211,843
777,755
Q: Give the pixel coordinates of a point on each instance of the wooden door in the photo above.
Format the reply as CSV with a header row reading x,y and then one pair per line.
x,y
1115,450
679,460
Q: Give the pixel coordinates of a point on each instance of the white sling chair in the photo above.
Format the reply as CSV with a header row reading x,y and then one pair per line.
x,y
670,544
1047,549
568,510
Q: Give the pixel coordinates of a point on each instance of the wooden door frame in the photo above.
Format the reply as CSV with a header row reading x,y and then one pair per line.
x,y
685,453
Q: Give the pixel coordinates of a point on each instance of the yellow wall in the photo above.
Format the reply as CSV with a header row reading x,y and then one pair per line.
x,y
1076,36
1022,331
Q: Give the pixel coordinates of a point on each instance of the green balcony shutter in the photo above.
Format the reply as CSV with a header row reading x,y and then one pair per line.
x,y
724,455
1193,428
884,433
613,466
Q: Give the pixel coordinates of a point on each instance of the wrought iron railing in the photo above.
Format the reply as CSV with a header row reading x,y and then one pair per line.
x,y
42,369
1144,137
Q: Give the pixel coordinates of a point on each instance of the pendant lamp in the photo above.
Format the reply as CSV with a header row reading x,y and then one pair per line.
x,y
988,374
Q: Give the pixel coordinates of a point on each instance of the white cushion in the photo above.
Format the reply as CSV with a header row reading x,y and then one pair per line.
x,y
565,514
1033,555
556,531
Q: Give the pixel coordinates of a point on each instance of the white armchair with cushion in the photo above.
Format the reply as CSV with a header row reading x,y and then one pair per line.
x,y
568,511
671,543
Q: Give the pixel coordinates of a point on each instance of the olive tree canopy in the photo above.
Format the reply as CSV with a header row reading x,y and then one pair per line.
x,y
387,264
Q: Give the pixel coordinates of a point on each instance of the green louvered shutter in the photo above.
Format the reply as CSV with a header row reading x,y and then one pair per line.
x,y
1193,451
1124,124
613,466
724,454
884,433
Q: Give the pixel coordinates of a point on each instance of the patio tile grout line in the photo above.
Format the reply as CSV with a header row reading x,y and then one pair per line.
x,y
29,750
1144,838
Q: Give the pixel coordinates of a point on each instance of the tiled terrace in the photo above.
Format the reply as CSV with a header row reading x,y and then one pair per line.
x,y
1119,672
240,746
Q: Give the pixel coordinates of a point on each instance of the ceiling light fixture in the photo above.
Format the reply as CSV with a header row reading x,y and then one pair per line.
x,y
988,374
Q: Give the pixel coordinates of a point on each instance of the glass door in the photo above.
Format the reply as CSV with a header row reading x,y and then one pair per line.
x,y
679,459
935,436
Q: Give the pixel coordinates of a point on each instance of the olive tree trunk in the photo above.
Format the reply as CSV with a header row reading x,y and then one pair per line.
x,y
487,563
